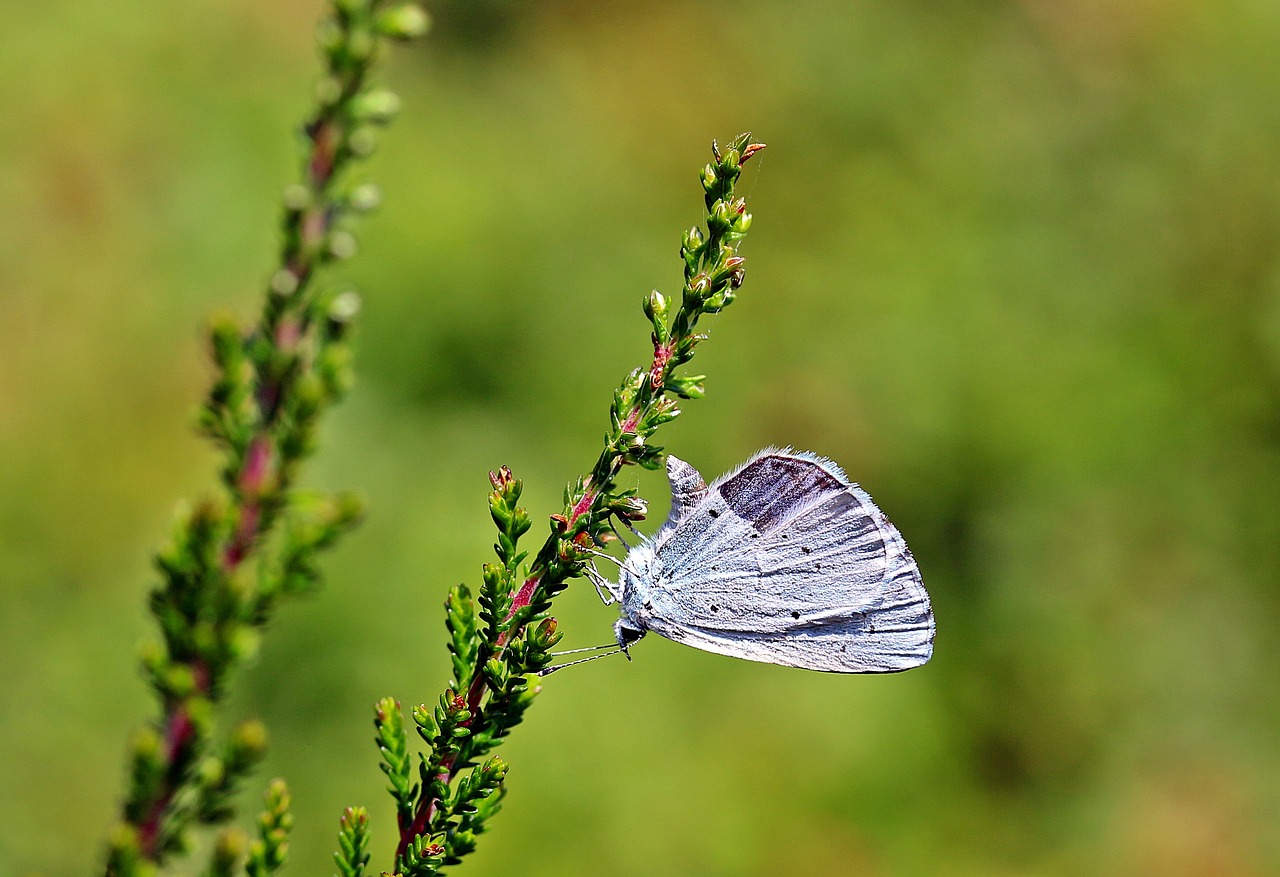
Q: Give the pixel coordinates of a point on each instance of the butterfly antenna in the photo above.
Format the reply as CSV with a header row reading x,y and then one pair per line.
x,y
587,649
547,671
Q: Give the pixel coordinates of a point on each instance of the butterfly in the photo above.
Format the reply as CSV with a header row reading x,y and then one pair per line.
x,y
785,561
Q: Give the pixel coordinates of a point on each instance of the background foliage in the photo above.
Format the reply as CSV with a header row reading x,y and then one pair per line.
x,y
1015,265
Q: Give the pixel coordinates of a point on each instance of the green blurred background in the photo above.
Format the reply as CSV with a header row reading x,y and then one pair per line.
x,y
1015,265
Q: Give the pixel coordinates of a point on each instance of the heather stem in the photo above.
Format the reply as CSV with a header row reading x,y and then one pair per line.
x,y
713,273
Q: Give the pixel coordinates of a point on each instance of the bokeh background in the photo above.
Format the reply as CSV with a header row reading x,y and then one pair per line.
x,y
1015,265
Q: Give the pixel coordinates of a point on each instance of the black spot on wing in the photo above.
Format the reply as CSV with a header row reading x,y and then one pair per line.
x,y
770,489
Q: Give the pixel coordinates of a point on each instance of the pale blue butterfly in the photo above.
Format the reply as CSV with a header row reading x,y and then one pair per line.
x,y
785,561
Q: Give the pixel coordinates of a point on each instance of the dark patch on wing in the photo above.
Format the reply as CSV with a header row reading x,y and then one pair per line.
x,y
771,488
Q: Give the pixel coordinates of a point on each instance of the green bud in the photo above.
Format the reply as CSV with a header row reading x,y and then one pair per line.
x,y
491,573
124,856
495,672
688,387
428,727
296,197
328,91
344,307
230,847
179,681
249,741
360,44
146,746
211,772
631,508
463,840
334,369
200,711
655,307
277,796
284,283
308,393
224,336
342,244
545,631
362,141
204,636
721,214
153,658
365,197
386,711
348,508
244,643
378,105
124,837
403,22
329,36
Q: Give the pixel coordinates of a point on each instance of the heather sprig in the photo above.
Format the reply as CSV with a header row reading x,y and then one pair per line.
x,y
268,852
233,556
353,842
501,638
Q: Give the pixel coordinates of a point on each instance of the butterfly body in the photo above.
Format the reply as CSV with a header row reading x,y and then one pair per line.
x,y
784,561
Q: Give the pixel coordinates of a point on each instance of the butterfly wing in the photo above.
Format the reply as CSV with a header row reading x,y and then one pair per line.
x,y
787,562
687,490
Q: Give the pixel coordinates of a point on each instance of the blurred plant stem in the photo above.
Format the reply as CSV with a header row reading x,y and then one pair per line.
x,y
233,557
497,648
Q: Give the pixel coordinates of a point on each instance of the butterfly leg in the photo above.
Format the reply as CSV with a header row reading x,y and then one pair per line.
x,y
604,587
598,553
614,527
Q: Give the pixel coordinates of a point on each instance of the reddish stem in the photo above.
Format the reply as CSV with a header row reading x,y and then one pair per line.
x,y
253,476
324,139
582,506
180,735
427,804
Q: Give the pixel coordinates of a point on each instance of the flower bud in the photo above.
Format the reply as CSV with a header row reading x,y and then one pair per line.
x,y
249,741
283,283
342,244
362,141
655,307
378,105
403,22
365,197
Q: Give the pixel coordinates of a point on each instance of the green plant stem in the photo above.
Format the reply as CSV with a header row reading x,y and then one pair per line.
x,y
713,273
273,384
